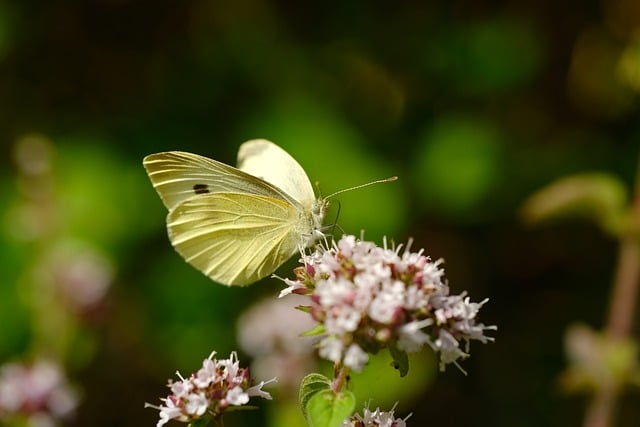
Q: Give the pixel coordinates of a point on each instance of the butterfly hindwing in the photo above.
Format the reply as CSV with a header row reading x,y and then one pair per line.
x,y
234,238
266,160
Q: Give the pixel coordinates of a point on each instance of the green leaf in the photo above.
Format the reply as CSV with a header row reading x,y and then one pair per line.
x,y
597,361
200,422
310,386
382,385
315,331
304,308
400,360
600,197
329,409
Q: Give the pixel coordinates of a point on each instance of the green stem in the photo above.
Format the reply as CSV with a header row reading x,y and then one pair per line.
x,y
625,289
600,412
340,378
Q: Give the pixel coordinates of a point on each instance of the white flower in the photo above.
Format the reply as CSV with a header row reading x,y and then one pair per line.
x,y
197,404
355,358
375,418
415,298
448,347
169,412
372,297
256,390
345,319
346,245
334,292
331,349
236,396
293,286
37,388
205,375
182,388
231,368
387,303
209,392
410,336
365,287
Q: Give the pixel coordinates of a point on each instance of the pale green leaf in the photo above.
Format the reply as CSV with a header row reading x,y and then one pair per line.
x,y
329,409
311,385
600,197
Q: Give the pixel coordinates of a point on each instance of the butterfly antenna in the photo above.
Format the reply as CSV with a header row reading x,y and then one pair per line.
x,y
378,181
335,222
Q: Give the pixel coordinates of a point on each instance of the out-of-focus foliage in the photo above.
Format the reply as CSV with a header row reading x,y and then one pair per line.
x,y
599,197
463,156
596,361
473,105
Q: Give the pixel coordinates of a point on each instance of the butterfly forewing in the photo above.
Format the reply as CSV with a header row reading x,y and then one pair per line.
x,y
235,239
178,176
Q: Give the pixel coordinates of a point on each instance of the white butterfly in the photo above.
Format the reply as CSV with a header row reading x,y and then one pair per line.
x,y
237,225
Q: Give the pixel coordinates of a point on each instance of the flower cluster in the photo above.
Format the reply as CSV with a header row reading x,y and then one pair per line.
x,y
217,386
375,418
368,298
37,393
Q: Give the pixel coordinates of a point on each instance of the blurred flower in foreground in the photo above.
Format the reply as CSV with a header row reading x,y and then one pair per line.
x,y
79,273
37,393
368,298
276,345
375,418
219,385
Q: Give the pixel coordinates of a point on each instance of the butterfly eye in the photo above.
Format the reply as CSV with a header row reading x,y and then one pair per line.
x,y
200,188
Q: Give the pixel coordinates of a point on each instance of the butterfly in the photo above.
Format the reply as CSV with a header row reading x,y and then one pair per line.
x,y
237,225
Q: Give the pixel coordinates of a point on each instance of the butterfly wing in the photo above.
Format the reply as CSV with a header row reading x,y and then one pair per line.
x,y
178,176
267,161
236,239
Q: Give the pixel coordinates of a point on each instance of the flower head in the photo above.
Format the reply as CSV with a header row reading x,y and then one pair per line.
x,y
38,390
368,298
376,418
215,387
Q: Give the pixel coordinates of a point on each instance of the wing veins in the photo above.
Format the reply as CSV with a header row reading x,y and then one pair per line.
x,y
213,232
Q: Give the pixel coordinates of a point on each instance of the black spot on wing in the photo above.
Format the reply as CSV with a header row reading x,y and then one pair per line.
x,y
200,188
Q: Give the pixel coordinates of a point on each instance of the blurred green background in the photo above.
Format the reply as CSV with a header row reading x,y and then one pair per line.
x,y
473,104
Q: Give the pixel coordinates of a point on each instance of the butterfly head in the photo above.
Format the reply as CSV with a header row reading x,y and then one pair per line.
x,y
315,218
